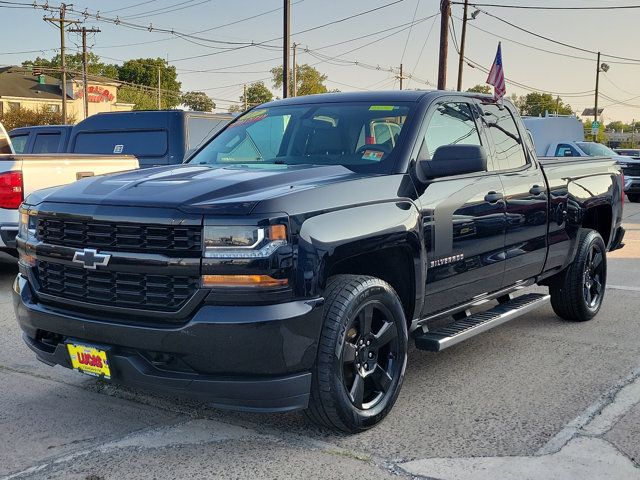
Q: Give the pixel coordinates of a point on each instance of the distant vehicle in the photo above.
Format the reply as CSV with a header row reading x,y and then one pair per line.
x,y
156,138
22,174
628,152
41,139
550,130
5,141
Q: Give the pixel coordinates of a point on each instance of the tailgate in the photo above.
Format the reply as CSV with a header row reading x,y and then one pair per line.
x,y
51,170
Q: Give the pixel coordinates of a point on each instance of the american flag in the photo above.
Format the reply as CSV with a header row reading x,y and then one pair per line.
x,y
496,76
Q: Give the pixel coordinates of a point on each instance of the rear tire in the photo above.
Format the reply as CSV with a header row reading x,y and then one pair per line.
x,y
633,197
361,356
578,291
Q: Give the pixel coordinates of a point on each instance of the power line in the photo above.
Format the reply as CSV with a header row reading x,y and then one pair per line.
x,y
423,47
404,50
541,7
558,42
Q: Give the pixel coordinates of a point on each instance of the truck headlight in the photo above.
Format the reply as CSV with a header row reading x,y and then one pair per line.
x,y
243,241
27,225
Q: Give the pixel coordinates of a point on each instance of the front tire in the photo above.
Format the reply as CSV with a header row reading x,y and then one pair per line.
x,y
361,356
577,293
633,197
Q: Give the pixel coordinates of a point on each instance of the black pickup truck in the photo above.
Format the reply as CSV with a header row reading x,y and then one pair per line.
x,y
288,263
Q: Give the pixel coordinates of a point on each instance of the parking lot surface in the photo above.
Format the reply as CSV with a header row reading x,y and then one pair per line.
x,y
534,398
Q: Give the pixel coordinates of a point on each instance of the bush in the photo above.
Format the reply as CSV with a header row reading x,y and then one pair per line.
x,y
25,117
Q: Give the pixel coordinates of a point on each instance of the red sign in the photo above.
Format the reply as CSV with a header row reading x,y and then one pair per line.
x,y
96,94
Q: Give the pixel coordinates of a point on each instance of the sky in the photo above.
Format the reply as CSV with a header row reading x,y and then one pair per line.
x,y
353,64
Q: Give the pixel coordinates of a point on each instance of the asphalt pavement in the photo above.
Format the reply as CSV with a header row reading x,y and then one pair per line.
x,y
536,398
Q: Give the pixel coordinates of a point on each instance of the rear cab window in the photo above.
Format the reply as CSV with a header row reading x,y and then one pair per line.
x,y
141,143
19,142
46,143
508,146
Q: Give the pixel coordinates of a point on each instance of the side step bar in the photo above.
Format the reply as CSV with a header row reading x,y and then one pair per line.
x,y
444,337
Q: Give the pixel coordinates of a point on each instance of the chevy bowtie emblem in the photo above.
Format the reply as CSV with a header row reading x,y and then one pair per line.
x,y
90,258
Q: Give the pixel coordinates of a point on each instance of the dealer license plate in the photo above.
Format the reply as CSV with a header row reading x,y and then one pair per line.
x,y
89,359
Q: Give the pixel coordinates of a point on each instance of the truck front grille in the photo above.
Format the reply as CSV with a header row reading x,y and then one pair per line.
x,y
183,240
632,171
122,289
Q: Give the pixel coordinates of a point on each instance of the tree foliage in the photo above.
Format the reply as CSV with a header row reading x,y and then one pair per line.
x,y
198,101
144,71
74,65
308,79
480,89
25,117
536,104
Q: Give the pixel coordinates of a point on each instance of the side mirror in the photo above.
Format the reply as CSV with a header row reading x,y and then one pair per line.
x,y
450,160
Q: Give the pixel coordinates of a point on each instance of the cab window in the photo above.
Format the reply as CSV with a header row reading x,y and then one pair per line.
x,y
564,150
508,145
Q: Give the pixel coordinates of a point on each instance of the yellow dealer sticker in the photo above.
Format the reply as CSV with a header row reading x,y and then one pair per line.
x,y
89,360
382,108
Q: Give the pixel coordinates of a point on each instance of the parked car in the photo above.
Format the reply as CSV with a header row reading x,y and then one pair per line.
x,y
630,165
628,152
22,174
295,256
154,137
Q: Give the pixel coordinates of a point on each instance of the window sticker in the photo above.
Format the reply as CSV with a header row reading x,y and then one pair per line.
x,y
251,117
372,155
382,108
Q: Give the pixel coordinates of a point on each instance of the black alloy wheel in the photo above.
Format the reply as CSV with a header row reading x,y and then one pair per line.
x,y
594,274
578,291
362,354
370,355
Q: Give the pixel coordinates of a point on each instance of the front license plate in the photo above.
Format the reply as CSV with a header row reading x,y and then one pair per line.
x,y
90,360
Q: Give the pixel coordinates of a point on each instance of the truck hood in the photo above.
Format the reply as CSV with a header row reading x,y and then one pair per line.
x,y
194,188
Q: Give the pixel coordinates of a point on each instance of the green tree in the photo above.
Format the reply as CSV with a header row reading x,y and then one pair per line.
x,y
480,89
618,126
257,93
601,136
308,79
536,104
25,117
74,65
198,101
144,71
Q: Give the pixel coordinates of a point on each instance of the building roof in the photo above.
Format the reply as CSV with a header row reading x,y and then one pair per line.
x,y
20,82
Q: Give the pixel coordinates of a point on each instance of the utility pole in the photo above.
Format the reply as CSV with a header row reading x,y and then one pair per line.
x,y
85,61
62,21
159,89
286,49
244,96
401,77
462,43
445,14
295,72
595,110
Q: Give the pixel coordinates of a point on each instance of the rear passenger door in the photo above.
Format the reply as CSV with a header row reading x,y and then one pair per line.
x,y
463,216
525,194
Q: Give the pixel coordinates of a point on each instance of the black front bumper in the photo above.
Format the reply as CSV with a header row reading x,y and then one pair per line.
x,y
255,358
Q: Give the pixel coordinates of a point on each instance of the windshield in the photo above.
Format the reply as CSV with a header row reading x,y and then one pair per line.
x,y
359,136
596,149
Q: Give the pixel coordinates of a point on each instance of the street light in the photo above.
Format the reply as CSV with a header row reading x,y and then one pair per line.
x,y
600,67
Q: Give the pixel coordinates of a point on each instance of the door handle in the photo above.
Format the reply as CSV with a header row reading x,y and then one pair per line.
x,y
493,197
81,175
536,190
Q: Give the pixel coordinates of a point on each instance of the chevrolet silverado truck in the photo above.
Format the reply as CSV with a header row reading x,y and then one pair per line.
x,y
288,263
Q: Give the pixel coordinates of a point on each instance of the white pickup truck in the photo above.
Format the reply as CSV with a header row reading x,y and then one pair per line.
x,y
22,174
